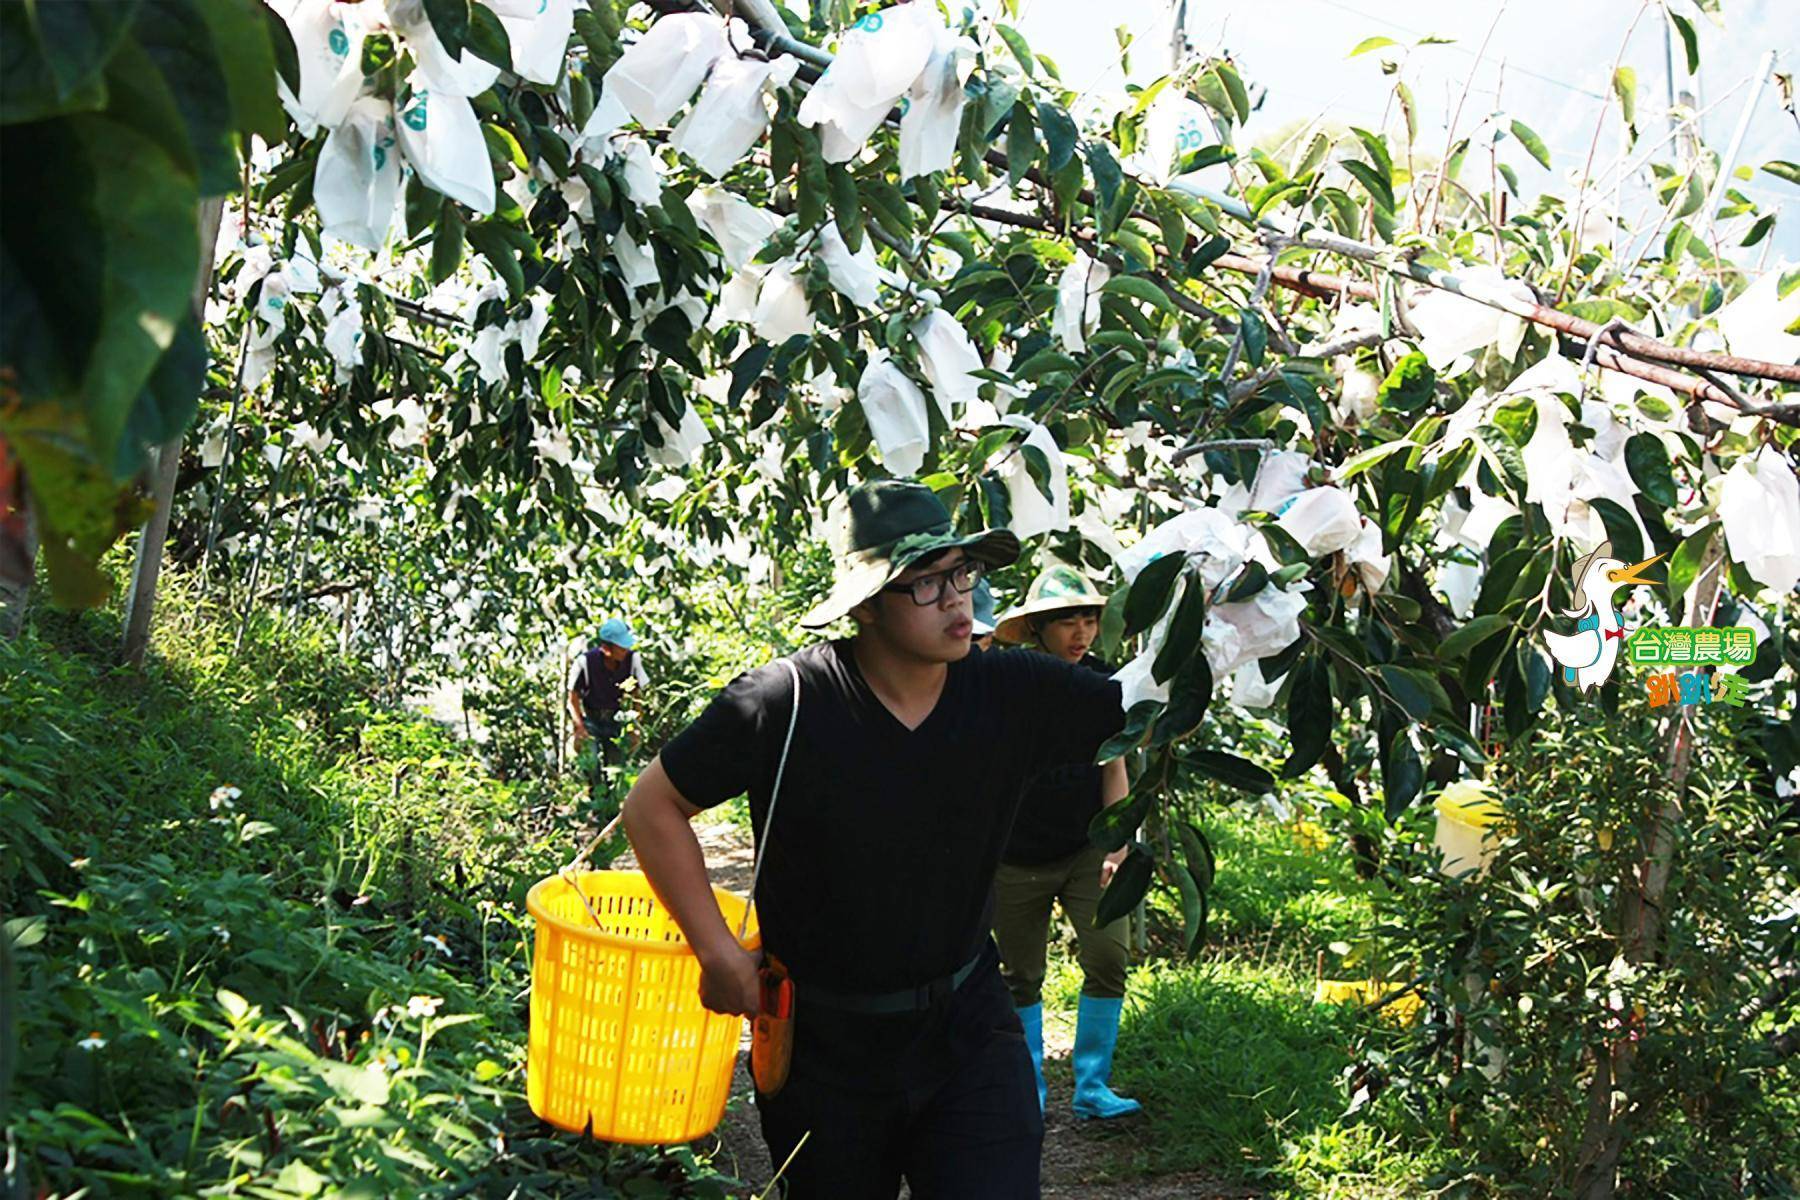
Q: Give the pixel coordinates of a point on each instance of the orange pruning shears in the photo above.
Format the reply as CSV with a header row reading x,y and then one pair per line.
x,y
772,1031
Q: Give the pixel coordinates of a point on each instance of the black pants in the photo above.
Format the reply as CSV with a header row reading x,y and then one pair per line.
x,y
978,1136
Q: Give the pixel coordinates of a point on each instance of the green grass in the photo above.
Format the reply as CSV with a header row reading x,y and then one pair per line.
x,y
314,986
1239,1071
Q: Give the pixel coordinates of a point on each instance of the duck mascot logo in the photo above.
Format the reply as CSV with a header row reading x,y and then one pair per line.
x,y
1588,655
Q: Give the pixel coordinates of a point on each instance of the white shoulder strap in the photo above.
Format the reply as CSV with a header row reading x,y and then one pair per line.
x,y
774,795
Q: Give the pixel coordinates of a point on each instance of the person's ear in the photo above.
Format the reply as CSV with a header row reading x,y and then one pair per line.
x,y
865,614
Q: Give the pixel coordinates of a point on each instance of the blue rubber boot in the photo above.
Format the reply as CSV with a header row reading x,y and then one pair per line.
x,y
1032,1019
1096,1034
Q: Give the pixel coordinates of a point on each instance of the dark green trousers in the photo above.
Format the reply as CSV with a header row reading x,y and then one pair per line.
x,y
1024,899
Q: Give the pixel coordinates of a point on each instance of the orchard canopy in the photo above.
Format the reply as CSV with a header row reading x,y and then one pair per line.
x,y
506,297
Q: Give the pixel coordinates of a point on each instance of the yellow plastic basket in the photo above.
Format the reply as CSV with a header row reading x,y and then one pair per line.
x,y
620,1045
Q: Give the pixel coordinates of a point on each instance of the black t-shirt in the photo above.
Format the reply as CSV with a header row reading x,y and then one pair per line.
x,y
1059,803
879,865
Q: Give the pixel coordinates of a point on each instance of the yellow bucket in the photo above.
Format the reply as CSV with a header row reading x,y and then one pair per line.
x,y
620,1045
1469,819
1404,1010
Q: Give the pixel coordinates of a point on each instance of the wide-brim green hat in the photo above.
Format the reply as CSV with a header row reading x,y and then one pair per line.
x,y
880,529
1056,588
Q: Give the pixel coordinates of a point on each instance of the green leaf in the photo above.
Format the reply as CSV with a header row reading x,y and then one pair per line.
x,y
1113,827
1372,43
1311,157
1256,336
1759,230
846,206
1190,692
1021,51
488,241
447,243
1781,169
25,932
1232,771
1197,849
1021,143
1373,182
1136,729
1684,564
73,43
1150,593
747,369
1250,581
1401,777
1625,87
1690,41
1477,630
1234,87
1107,176
240,43
148,251
1112,623
1410,385
1361,461
1409,690
1210,251
1647,459
1621,530
486,36
1183,638
1129,883
1533,144
1139,288
1060,134
1045,362
168,401
1193,912
450,21
1310,713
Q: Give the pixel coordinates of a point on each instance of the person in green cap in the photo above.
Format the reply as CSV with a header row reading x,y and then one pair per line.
x,y
1048,860
904,761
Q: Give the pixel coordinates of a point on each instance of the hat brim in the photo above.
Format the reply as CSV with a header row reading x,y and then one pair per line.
x,y
1015,625
862,575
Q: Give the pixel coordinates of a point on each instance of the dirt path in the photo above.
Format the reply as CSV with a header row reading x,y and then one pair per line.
x,y
1081,1158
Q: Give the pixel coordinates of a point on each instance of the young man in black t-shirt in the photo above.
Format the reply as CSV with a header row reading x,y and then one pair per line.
x,y
908,758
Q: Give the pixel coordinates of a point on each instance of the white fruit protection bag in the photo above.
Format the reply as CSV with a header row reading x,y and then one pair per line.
x,y
878,60
357,177
662,70
731,114
894,407
442,140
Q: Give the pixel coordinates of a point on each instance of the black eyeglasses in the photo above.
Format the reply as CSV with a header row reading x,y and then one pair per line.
x,y
929,589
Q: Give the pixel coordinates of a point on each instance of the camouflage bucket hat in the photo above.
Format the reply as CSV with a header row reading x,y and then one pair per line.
x,y
880,529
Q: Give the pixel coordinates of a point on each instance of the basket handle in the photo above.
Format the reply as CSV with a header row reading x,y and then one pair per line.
x,y
567,872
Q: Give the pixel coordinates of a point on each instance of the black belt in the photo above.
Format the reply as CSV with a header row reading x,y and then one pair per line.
x,y
905,1000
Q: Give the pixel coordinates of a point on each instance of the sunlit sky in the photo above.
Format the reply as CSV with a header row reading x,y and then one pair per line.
x,y
1540,66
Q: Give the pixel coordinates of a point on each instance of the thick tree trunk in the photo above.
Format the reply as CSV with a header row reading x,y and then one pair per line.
x,y
1643,893
140,602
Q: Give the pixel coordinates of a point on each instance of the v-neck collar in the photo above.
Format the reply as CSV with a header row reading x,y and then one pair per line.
x,y
847,655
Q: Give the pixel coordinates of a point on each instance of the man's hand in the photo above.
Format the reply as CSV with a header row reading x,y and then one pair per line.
x,y
728,982
1110,864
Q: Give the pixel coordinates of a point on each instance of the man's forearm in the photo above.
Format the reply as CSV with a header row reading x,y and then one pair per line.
x,y
670,856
